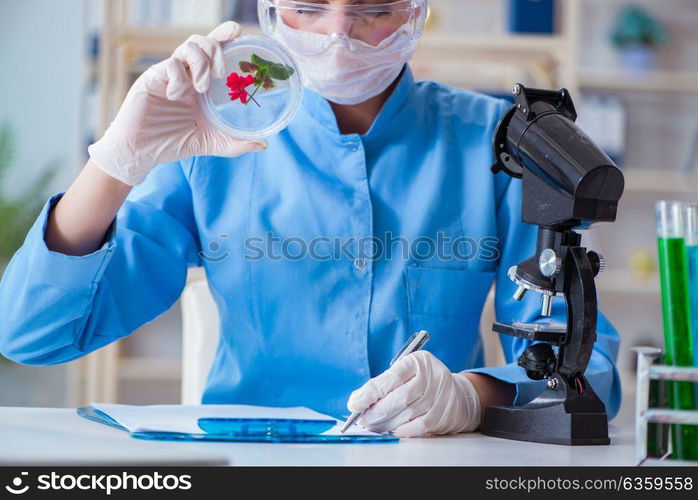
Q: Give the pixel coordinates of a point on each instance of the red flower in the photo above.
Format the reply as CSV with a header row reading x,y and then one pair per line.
x,y
237,85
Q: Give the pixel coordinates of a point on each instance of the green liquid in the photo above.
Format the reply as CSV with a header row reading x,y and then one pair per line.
x,y
673,267
657,434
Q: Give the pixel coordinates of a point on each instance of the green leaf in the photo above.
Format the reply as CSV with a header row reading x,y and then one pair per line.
x,y
280,71
637,26
262,63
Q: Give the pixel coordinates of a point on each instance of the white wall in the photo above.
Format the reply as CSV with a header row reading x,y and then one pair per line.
x,y
42,56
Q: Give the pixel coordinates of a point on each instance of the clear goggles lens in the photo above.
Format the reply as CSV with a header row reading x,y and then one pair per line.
x,y
370,22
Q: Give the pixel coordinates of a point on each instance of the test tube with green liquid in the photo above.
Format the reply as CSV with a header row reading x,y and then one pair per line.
x,y
678,341
691,238
658,434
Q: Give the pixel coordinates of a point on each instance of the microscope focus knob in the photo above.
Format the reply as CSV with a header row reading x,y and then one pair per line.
x,y
549,263
598,262
539,361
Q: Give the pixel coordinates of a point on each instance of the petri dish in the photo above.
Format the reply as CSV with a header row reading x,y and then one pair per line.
x,y
259,95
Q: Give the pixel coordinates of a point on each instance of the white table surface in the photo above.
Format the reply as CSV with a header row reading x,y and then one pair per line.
x,y
52,436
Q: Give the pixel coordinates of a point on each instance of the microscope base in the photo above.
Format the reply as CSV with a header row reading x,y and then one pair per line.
x,y
543,421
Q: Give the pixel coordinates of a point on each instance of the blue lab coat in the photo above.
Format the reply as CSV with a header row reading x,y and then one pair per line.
x,y
310,304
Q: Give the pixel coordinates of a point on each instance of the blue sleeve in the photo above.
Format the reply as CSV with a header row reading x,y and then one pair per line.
x,y
518,242
55,308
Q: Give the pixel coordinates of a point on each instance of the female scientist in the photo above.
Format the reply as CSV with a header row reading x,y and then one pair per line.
x,y
307,314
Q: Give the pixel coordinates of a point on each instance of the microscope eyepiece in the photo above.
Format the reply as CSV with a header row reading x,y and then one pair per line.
x,y
567,179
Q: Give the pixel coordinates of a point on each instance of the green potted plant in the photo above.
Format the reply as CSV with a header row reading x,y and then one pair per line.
x,y
18,211
638,35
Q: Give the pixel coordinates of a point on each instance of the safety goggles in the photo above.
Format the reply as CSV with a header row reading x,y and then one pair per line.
x,y
370,22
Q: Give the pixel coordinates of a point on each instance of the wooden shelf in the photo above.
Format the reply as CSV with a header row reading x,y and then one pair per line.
x,y
155,33
161,40
488,43
657,81
435,40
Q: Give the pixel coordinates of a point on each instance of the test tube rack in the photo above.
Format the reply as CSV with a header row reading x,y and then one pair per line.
x,y
644,415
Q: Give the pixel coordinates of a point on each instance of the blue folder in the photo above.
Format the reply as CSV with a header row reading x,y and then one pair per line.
x,y
247,430
531,16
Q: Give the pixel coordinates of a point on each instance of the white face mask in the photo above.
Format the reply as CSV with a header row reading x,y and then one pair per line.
x,y
344,70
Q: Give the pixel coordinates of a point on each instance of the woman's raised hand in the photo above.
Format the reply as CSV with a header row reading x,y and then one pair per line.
x,y
161,120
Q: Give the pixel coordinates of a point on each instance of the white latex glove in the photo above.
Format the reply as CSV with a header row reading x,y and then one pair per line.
x,y
417,396
161,121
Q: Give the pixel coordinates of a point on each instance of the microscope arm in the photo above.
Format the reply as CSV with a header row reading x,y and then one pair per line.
x,y
580,296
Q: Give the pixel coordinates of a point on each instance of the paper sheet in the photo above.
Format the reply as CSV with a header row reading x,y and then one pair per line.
x,y
184,419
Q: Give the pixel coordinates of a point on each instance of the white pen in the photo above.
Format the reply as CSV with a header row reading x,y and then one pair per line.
x,y
413,344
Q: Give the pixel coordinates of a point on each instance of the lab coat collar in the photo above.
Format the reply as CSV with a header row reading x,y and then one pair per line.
x,y
320,110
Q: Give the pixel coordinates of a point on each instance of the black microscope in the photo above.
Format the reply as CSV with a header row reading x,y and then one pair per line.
x,y
568,183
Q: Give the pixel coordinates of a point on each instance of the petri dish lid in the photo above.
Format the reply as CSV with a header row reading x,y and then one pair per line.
x,y
259,95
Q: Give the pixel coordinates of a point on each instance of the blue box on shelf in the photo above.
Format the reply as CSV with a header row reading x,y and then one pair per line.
x,y
531,16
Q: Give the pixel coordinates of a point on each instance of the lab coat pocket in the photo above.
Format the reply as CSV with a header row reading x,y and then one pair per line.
x,y
448,303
